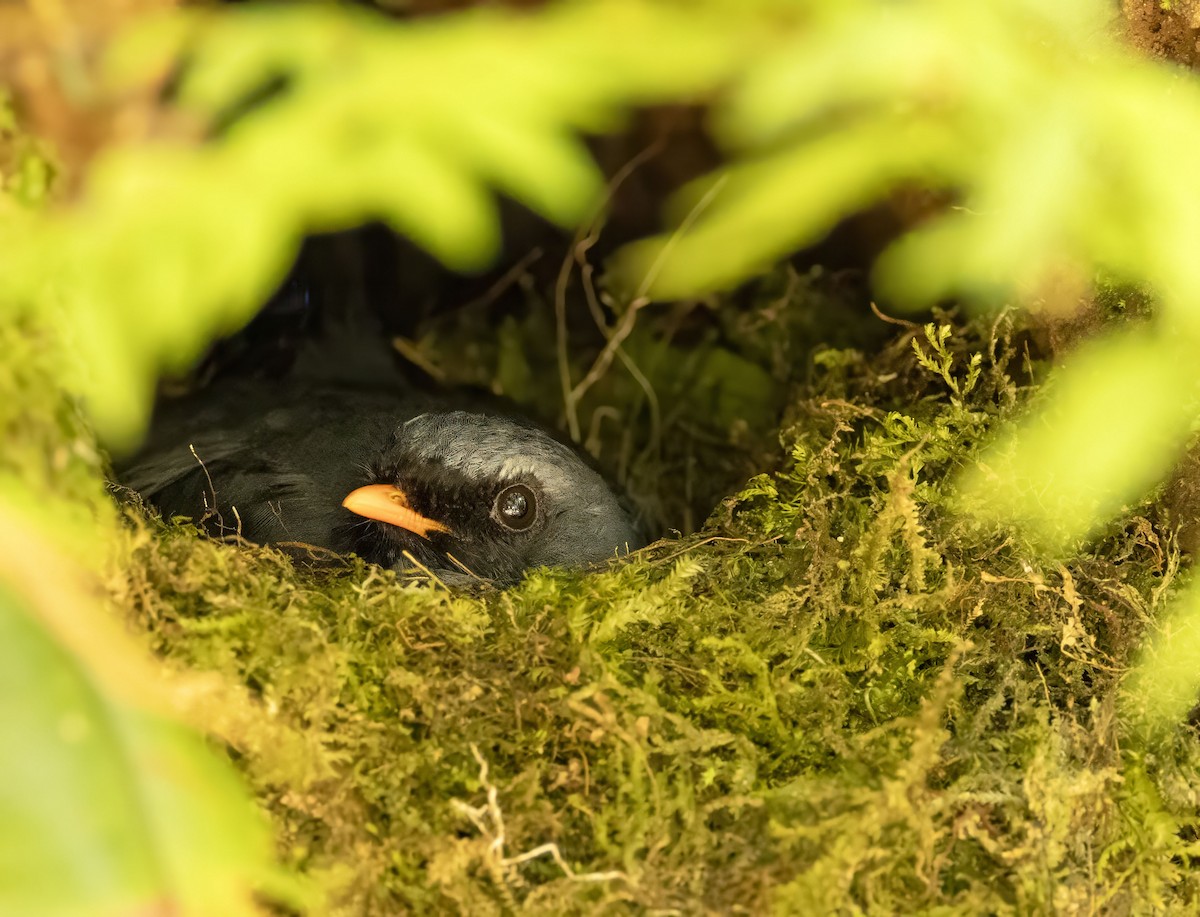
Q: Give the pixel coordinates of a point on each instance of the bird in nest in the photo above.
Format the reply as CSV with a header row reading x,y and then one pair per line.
x,y
361,462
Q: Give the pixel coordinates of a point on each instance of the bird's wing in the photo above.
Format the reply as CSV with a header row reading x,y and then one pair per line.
x,y
266,463
152,472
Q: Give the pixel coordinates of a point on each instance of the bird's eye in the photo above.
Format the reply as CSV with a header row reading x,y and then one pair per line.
x,y
516,507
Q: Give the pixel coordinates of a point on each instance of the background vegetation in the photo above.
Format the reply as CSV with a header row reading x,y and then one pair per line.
x,y
939,659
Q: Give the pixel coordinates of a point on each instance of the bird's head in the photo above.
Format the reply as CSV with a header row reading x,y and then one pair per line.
x,y
464,493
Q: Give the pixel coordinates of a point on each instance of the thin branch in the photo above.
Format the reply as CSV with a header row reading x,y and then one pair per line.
x,y
488,819
585,238
903,323
693,215
506,280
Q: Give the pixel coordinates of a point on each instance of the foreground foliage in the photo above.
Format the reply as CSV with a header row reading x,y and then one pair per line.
x,y
844,693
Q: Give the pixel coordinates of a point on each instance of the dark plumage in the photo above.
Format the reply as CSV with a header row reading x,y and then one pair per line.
x,y
462,489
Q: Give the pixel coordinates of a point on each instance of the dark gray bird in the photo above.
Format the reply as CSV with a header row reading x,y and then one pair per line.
x,y
399,478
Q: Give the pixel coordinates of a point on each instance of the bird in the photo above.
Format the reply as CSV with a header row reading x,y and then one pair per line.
x,y
403,479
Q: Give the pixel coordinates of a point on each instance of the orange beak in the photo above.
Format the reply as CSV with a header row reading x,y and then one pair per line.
x,y
386,503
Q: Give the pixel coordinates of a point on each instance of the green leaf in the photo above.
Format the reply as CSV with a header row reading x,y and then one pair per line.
x,y
174,242
67,837
1165,684
756,213
1112,422
107,804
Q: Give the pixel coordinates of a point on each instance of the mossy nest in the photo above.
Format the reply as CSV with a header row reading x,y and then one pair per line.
x,y
838,697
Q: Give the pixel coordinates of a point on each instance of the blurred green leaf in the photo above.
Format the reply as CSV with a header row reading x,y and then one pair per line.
x,y
1058,165
67,837
1109,425
107,804
174,243
1165,685
870,96
760,211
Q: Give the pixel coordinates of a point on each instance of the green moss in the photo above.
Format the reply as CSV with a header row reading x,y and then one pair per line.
x,y
839,697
